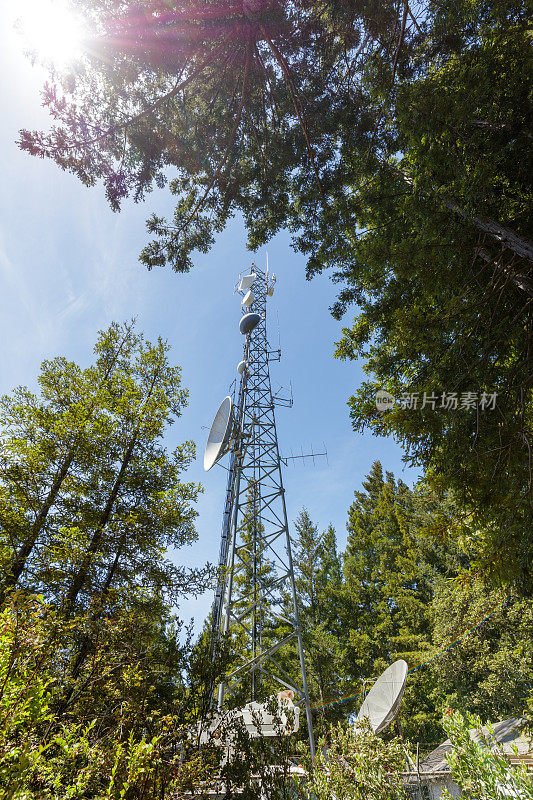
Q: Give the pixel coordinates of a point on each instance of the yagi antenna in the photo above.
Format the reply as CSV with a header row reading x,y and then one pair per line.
x,y
303,456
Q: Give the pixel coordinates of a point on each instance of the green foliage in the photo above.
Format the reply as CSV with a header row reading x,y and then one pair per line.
x,y
256,593
434,320
496,654
390,567
395,145
322,97
88,494
72,760
478,763
318,577
356,764
25,691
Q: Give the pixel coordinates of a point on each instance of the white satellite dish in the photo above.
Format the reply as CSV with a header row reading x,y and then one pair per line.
x,y
248,299
246,282
248,322
219,435
241,366
382,703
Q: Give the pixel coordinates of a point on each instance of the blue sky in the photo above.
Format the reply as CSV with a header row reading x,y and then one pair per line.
x,y
69,267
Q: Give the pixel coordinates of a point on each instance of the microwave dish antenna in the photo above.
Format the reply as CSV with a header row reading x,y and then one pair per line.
x,y
249,322
247,281
382,703
219,435
248,299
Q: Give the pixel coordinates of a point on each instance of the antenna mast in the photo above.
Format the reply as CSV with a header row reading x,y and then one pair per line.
x,y
255,601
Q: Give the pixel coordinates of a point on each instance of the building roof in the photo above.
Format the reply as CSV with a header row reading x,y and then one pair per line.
x,y
506,735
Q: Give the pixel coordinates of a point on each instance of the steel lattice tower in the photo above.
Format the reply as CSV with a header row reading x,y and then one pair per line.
x,y
256,593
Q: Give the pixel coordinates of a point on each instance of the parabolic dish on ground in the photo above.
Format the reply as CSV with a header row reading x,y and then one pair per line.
x,y
219,434
382,703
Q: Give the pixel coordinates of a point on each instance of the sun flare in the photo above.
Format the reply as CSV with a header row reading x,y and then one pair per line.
x,y
52,31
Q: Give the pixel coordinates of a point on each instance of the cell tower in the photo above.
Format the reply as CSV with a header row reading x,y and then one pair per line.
x,y
255,602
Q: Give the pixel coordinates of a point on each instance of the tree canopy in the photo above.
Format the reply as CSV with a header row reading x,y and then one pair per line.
x,y
406,590
320,97
210,97
394,143
88,493
92,655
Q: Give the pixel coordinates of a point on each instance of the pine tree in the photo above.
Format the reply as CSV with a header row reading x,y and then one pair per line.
x,y
88,491
330,567
318,582
256,595
386,606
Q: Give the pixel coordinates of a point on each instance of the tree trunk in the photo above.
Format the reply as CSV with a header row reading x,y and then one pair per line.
x,y
81,575
521,281
24,551
86,643
19,561
508,238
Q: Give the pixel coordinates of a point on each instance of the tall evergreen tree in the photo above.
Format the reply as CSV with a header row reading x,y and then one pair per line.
x,y
256,595
318,581
386,607
88,491
330,567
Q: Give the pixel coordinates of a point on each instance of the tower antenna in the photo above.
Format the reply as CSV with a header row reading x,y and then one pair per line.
x,y
256,593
